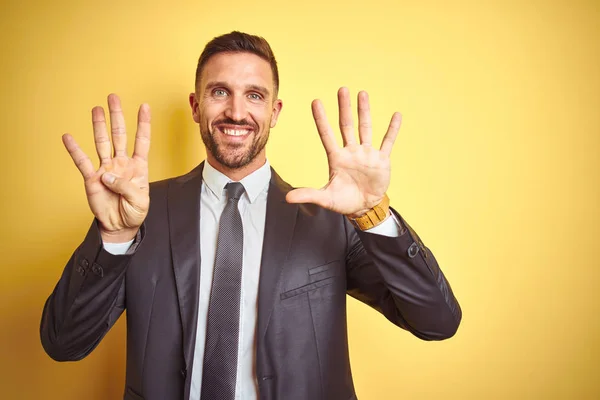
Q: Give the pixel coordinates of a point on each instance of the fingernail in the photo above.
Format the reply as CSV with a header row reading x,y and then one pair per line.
x,y
108,178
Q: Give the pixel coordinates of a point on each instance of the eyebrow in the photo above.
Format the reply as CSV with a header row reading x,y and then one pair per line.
x,y
258,88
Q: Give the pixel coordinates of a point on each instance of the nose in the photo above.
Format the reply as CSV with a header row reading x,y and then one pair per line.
x,y
236,108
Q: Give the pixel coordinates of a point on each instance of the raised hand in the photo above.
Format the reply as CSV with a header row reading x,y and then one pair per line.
x,y
118,191
359,174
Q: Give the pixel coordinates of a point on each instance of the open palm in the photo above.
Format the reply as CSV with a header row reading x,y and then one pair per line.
x,y
359,174
118,191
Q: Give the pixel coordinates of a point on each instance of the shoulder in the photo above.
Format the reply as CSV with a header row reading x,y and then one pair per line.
x,y
161,187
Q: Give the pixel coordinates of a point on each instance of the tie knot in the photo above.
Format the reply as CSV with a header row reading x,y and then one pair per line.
x,y
235,190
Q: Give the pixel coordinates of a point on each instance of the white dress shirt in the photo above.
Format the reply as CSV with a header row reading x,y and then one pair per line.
x,y
253,208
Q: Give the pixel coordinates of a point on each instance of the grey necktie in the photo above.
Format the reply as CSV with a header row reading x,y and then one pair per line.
x,y
222,328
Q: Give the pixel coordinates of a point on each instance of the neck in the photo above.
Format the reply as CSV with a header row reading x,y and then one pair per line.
x,y
237,174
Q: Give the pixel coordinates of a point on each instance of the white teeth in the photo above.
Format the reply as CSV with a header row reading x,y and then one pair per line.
x,y
235,132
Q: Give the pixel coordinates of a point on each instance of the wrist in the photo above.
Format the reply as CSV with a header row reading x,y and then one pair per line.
x,y
370,218
120,236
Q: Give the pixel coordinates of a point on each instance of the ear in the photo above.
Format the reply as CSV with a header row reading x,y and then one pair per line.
x,y
277,105
194,104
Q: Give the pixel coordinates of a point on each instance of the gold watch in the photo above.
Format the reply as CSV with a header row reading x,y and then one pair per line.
x,y
374,216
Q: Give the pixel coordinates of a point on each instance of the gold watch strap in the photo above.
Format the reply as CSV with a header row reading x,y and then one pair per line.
x,y
374,216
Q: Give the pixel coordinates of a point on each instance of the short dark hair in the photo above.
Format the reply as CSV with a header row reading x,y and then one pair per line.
x,y
239,42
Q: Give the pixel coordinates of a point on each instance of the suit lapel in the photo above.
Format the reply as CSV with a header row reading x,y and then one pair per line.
x,y
184,232
279,229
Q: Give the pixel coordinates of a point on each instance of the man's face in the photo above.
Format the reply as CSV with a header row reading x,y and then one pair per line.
x,y
235,107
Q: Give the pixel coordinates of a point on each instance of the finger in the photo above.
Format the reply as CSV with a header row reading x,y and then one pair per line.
x,y
390,137
325,131
122,186
81,160
117,126
364,118
346,123
309,195
142,136
101,135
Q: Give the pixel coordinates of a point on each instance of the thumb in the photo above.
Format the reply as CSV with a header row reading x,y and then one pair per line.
x,y
119,185
309,195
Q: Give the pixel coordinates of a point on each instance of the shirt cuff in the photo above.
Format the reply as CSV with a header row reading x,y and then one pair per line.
x,y
389,227
117,249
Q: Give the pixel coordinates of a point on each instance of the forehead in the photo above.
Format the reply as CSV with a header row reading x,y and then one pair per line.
x,y
237,69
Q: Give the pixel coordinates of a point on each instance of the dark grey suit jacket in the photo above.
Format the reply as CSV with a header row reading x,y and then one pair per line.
x,y
311,258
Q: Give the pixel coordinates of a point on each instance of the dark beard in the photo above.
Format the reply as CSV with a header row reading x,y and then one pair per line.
x,y
241,160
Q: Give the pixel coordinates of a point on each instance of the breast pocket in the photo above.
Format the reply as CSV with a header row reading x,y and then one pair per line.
x,y
319,276
325,271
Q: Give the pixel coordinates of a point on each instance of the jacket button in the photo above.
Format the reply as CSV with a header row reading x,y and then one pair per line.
x,y
97,269
413,250
81,270
84,263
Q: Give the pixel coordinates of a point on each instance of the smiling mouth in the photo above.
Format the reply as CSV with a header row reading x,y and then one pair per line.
x,y
235,132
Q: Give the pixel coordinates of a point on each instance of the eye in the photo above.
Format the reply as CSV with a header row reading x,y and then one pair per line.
x,y
219,93
255,96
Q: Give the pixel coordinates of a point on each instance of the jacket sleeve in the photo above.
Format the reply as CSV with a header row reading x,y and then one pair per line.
x,y
87,300
400,277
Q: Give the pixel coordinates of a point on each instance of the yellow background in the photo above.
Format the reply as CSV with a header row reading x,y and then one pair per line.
x,y
496,167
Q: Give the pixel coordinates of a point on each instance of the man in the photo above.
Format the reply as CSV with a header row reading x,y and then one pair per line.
x,y
235,284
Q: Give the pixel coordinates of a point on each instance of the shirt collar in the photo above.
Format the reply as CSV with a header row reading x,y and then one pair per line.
x,y
254,183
